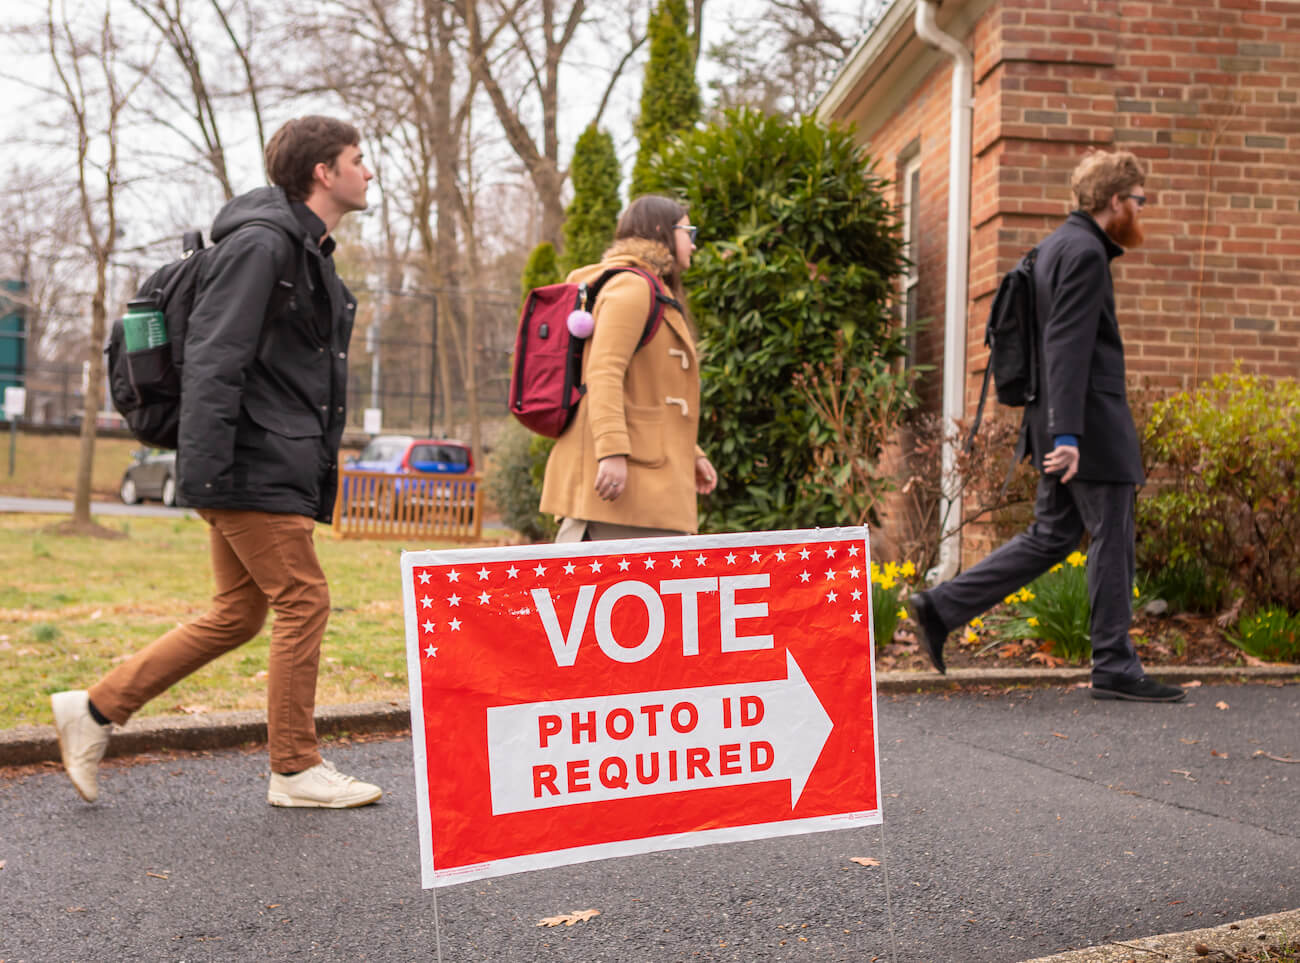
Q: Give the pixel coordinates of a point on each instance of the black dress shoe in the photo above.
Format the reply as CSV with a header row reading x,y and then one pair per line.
x,y
933,632
1138,690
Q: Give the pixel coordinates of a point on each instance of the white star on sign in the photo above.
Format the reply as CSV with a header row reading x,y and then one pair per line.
x,y
483,599
780,555
804,553
483,573
700,559
831,597
853,572
857,616
453,576
649,563
512,571
677,562
428,626
431,651
595,566
624,565
829,574
830,551
426,601
731,558
804,576
424,578
754,556
453,600
568,568
853,550
540,570
455,625
857,594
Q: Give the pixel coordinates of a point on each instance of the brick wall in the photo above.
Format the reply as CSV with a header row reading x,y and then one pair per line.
x,y
1207,94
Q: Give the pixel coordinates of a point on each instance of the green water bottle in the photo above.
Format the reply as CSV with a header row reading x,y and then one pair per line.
x,y
143,325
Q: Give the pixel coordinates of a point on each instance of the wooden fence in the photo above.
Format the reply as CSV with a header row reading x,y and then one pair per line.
x,y
372,504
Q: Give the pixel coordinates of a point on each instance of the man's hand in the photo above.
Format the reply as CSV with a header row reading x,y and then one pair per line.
x,y
1062,458
706,477
611,476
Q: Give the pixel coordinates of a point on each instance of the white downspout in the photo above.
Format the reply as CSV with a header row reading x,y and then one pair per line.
x,y
956,281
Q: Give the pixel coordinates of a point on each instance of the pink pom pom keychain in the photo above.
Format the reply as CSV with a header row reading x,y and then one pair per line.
x,y
581,324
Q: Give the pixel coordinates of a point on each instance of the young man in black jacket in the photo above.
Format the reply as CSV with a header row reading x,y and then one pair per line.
x,y
262,414
1081,437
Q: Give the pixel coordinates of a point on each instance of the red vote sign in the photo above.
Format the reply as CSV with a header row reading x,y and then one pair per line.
x,y
589,700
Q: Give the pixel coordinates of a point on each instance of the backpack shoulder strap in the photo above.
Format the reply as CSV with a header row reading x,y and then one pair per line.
x,y
659,299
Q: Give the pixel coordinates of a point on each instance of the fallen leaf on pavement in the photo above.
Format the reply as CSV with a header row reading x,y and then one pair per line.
x,y
2,864
864,861
1060,735
1221,705
568,919
157,875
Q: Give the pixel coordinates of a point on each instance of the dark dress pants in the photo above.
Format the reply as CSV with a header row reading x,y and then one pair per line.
x,y
1061,515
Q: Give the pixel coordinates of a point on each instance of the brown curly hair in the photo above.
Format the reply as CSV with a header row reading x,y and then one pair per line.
x,y
1103,174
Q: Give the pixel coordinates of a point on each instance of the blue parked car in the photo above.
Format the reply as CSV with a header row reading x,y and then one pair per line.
x,y
428,469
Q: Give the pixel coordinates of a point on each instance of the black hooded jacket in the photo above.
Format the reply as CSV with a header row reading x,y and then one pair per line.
x,y
263,395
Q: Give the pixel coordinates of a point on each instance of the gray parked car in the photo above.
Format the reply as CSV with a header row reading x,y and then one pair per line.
x,y
152,474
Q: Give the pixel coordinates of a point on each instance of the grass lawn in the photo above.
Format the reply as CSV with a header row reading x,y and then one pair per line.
x,y
72,606
45,466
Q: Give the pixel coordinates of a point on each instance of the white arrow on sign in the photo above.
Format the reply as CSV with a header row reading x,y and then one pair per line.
x,y
572,751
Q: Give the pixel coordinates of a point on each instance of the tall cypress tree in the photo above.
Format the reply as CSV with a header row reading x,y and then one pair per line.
x,y
540,269
593,213
670,95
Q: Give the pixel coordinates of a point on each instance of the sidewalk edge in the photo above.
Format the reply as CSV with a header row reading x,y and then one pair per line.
x,y
1255,933
26,745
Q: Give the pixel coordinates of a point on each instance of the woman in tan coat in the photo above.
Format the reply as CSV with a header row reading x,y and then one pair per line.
x,y
628,465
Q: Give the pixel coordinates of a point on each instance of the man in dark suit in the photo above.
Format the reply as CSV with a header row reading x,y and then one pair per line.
x,y
1081,437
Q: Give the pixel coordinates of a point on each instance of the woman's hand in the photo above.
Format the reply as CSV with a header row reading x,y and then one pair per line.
x,y
611,476
706,477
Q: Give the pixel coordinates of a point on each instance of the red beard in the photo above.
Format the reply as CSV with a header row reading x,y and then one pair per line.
x,y
1124,228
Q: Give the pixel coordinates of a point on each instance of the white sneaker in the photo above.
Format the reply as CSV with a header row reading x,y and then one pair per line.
x,y
321,786
82,740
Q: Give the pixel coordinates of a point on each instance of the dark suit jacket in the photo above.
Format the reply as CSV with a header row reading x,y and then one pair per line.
x,y
1082,390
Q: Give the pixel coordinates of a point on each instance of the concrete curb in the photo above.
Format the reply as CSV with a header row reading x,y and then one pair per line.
x,y
1254,934
210,730
26,745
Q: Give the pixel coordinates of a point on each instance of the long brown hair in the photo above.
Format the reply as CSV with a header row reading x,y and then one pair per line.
x,y
654,217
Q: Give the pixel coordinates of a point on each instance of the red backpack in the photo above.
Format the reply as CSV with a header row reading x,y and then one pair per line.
x,y
546,384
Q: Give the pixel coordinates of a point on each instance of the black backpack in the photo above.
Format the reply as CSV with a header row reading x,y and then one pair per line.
x,y
146,385
1011,336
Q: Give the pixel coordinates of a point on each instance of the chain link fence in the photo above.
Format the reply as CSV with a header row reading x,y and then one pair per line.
x,y
404,360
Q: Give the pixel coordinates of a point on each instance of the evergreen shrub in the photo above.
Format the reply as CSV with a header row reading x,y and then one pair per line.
x,y
514,481
1225,487
799,250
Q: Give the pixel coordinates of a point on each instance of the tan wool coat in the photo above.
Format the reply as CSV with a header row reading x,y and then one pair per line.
x,y
644,404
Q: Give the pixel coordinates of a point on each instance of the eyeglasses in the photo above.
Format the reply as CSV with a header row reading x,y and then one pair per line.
x,y
690,228
1140,198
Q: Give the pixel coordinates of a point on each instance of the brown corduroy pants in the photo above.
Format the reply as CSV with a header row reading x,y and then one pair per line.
x,y
259,561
